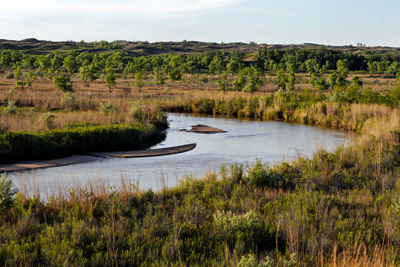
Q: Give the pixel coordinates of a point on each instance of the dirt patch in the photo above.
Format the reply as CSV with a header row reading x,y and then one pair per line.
x,y
146,153
204,129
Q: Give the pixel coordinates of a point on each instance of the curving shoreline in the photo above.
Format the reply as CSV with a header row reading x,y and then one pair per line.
x,y
75,159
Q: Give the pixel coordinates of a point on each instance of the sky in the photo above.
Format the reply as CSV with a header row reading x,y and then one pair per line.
x,y
340,22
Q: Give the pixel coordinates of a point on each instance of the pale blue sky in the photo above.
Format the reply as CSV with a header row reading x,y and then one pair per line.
x,y
263,21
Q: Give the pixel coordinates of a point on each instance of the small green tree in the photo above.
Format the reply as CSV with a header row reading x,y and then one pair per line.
x,y
139,80
30,78
282,79
11,108
63,83
357,82
88,74
109,78
70,64
7,194
18,75
240,83
158,77
174,75
254,80
223,82
333,79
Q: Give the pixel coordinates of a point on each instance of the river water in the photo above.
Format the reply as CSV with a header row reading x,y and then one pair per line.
x,y
245,140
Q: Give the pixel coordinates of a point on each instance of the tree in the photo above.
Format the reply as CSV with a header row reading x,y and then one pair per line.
x,y
139,80
282,79
110,79
158,77
240,83
333,79
254,80
291,80
18,75
223,82
342,68
69,64
174,75
30,78
357,82
371,68
63,83
88,73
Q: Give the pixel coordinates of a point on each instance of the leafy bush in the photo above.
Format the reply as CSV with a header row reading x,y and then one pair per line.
x,y
251,261
145,95
9,75
229,224
7,194
63,83
3,128
107,108
10,108
136,110
260,175
12,91
167,89
19,146
49,120
68,101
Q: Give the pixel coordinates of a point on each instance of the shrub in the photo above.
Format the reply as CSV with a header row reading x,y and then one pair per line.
x,y
229,224
260,175
49,120
63,83
10,108
3,128
145,95
7,194
136,110
251,261
90,94
167,89
68,101
9,75
12,91
107,108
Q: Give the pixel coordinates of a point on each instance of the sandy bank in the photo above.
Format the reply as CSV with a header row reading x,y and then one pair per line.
x,y
32,165
205,129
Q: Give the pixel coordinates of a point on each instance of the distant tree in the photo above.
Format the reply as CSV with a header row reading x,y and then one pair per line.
x,y
18,75
87,74
63,83
282,79
240,83
333,79
357,82
158,77
174,75
30,78
291,80
343,69
109,78
223,82
254,81
371,68
139,80
70,64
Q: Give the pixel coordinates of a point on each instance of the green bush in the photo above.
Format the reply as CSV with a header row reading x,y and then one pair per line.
x,y
3,128
251,261
49,120
10,108
7,193
19,146
136,110
107,108
260,175
68,101
145,95
9,75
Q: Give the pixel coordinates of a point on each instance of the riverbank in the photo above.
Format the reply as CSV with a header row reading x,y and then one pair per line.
x,y
338,206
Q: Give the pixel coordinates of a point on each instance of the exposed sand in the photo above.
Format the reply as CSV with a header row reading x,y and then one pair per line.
x,y
205,129
146,153
32,165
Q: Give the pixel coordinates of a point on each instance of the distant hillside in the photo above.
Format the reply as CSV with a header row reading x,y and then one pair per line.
x,y
37,47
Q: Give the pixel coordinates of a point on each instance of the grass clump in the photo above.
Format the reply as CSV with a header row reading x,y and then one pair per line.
x,y
11,108
49,120
136,110
107,108
68,101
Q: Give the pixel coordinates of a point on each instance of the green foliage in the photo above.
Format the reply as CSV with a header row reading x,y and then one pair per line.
x,y
251,261
223,82
229,224
167,90
7,193
11,108
20,146
260,175
30,78
9,75
3,128
136,110
63,83
107,108
147,95
49,120
68,101
110,78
